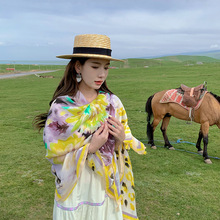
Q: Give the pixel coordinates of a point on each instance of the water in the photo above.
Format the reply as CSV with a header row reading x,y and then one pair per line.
x,y
35,62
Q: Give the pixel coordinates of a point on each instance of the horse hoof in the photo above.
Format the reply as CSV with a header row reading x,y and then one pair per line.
x,y
200,152
154,147
208,161
171,148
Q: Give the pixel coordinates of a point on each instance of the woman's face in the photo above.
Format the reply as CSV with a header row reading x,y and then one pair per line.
x,y
94,72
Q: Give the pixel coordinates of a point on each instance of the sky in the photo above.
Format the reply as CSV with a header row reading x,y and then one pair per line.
x,y
42,29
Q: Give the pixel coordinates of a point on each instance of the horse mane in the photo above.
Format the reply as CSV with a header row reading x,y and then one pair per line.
x,y
217,97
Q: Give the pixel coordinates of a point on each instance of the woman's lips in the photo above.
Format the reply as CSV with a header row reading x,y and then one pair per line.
x,y
98,82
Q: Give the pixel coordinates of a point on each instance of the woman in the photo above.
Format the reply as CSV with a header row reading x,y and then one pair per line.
x,y
86,137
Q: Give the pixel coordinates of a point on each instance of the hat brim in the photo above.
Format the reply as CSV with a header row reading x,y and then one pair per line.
x,y
98,56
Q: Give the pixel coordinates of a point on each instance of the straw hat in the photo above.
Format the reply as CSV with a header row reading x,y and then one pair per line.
x,y
92,46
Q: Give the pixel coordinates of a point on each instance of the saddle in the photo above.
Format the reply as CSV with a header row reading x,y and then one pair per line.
x,y
191,96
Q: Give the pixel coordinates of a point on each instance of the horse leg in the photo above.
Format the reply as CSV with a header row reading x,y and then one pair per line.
x,y
198,143
205,131
163,129
150,132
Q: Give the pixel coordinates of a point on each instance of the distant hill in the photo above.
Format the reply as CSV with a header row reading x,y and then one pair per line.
x,y
214,54
165,61
187,58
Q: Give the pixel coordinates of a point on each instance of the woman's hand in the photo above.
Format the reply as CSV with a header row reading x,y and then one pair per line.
x,y
116,128
99,137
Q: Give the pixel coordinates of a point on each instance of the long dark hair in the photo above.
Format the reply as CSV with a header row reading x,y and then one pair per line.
x,y
67,86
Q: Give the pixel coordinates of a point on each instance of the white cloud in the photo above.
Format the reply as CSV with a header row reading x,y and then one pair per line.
x,y
214,46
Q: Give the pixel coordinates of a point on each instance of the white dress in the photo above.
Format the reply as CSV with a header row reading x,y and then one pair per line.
x,y
88,201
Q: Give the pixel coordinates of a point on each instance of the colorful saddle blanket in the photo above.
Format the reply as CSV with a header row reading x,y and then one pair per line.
x,y
174,96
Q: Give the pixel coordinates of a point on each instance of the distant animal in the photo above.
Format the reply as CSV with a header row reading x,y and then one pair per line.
x,y
203,108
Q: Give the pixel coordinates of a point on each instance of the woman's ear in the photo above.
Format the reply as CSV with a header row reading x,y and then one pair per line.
x,y
78,66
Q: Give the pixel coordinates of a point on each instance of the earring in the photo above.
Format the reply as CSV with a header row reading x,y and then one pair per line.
x,y
78,77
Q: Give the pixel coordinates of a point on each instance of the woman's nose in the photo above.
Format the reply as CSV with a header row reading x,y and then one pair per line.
x,y
102,72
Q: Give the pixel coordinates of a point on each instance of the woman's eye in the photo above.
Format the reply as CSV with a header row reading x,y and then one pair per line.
x,y
106,68
95,67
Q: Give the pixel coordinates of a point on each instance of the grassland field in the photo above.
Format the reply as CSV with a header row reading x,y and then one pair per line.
x,y
168,184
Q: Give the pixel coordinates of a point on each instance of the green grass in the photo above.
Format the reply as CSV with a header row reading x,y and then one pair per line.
x,y
167,182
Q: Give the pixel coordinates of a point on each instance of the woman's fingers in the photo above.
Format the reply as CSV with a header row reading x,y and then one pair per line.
x,y
105,129
113,122
99,138
112,127
116,129
111,118
100,130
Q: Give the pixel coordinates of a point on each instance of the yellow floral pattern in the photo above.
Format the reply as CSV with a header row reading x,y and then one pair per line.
x,y
62,147
87,116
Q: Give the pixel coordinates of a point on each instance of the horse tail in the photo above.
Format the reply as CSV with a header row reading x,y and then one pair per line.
x,y
148,108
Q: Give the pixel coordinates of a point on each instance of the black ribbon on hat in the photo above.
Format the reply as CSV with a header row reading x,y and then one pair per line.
x,y
92,50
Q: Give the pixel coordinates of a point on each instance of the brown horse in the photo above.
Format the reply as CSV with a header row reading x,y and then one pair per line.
x,y
207,114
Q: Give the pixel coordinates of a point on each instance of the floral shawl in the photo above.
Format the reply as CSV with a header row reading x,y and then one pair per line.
x,y
68,131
